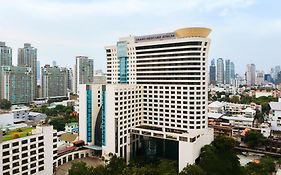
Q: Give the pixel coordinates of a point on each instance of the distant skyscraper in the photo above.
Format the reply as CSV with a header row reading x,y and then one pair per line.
x,y
277,70
232,71
27,57
227,72
5,55
54,63
213,72
16,83
54,81
220,71
251,74
83,72
260,78
267,78
38,72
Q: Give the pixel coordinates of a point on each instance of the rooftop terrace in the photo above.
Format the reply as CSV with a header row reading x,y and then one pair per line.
x,y
18,133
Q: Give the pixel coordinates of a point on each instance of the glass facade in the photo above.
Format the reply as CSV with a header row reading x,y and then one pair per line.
x,y
103,115
123,62
89,114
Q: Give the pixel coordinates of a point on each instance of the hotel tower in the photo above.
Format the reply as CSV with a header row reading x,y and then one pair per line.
x,y
155,100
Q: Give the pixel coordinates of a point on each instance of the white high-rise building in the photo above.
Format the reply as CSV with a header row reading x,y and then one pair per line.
x,y
251,74
155,100
83,72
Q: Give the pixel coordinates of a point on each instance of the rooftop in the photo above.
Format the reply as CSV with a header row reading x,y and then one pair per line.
x,y
238,118
18,133
215,115
68,137
275,106
216,104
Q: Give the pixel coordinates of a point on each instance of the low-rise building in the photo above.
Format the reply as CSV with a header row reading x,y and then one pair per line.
x,y
275,115
71,127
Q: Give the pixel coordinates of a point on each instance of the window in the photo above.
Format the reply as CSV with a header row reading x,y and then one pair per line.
x,y
24,161
5,146
15,144
15,151
6,153
24,148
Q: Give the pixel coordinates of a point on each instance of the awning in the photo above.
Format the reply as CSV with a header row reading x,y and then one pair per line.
x,y
94,147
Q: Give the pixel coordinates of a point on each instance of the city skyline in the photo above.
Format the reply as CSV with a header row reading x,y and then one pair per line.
x,y
62,29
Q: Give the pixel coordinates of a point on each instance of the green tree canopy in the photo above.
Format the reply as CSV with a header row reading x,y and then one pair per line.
x,y
79,168
254,138
192,170
266,166
219,158
5,104
58,123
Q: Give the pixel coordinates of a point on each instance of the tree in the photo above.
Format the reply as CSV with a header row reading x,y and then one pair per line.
x,y
219,158
254,138
265,166
116,165
234,99
259,116
5,104
192,170
58,123
80,168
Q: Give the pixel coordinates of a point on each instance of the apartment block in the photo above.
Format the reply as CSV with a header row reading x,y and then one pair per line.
x,y
53,81
16,84
27,57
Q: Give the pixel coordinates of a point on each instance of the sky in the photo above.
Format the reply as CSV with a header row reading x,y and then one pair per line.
x,y
244,31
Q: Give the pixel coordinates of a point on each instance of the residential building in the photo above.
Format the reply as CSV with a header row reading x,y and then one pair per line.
x,y
213,72
5,55
227,76
275,115
83,72
27,57
220,71
54,81
16,83
155,97
33,152
251,74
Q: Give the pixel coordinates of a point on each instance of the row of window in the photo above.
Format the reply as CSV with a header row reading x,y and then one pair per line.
x,y
174,125
24,168
5,146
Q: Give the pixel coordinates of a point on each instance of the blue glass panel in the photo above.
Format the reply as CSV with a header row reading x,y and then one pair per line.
x,y
89,115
